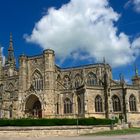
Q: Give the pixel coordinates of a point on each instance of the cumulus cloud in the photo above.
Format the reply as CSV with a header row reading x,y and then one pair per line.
x,y
135,4
3,57
84,29
136,46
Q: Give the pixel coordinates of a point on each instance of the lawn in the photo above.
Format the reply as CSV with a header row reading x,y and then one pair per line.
x,y
117,132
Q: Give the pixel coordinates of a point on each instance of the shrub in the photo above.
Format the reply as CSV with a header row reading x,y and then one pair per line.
x,y
55,122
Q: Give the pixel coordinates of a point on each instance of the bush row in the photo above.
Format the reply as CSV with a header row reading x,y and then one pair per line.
x,y
55,122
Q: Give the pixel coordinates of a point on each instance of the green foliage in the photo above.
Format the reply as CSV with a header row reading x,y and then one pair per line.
x,y
55,122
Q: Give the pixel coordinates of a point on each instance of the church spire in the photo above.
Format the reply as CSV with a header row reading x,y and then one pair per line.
x,y
11,59
1,62
0,52
136,70
11,43
0,56
104,61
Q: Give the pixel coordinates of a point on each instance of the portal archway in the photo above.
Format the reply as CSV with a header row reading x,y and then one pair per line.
x,y
33,107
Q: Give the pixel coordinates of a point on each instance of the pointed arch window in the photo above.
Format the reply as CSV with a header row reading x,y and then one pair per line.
x,y
1,88
11,90
78,81
10,111
79,105
58,81
10,87
91,79
116,103
67,106
37,80
57,108
132,103
98,104
0,96
1,91
67,82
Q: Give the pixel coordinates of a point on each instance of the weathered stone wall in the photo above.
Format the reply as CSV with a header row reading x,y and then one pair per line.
x,y
90,96
52,131
133,117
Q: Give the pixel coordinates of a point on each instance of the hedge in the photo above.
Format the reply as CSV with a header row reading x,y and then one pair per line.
x,y
56,122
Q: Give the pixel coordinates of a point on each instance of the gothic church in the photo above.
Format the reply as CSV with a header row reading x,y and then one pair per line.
x,y
41,89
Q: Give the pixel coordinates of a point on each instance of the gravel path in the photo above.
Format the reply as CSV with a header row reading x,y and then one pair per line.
x,y
124,137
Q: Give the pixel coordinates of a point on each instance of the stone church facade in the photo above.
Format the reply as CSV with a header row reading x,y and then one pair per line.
x,y
41,89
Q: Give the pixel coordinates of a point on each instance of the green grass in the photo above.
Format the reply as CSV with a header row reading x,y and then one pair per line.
x,y
117,132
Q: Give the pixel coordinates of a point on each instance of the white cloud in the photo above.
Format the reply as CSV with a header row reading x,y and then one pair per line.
x,y
3,57
135,4
136,46
83,26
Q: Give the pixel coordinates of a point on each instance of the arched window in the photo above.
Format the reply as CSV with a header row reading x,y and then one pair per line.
x,y
1,88
67,106
10,87
78,81
116,103
1,91
11,90
37,80
10,111
57,108
79,105
91,79
67,82
132,103
58,80
0,96
98,104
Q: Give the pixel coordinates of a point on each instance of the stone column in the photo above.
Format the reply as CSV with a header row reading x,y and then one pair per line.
x,y
22,82
49,70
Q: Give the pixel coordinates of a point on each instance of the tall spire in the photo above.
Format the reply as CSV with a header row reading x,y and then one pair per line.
x,y
104,61
0,51
1,66
11,43
136,70
122,80
11,59
0,55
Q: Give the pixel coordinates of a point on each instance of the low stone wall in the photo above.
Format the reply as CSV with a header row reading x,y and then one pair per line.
x,y
52,131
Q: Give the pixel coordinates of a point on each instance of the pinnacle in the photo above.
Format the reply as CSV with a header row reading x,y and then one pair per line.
x,y
11,43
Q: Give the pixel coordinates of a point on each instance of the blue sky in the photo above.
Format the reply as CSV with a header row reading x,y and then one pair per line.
x,y
80,31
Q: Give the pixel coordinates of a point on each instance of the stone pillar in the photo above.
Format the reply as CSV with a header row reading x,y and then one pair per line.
x,y
22,82
22,73
49,70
